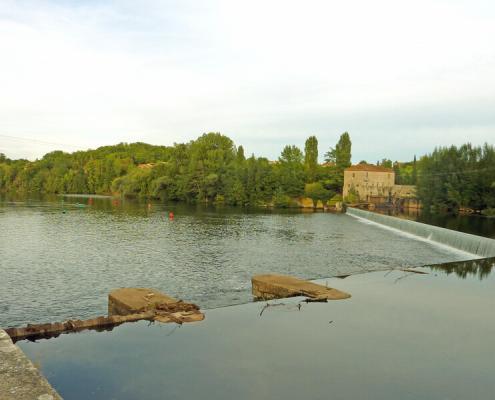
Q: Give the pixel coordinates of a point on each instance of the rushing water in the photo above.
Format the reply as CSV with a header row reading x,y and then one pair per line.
x,y
473,224
60,259
481,246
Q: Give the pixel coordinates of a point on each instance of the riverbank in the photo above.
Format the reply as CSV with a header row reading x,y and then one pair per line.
x,y
400,335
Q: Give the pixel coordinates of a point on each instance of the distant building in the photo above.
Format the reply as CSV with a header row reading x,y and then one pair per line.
x,y
375,184
368,181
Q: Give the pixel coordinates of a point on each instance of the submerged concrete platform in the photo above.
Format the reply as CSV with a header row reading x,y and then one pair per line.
x,y
125,301
124,305
271,286
19,378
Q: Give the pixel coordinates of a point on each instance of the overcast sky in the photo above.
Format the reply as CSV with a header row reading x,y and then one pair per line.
x,y
401,77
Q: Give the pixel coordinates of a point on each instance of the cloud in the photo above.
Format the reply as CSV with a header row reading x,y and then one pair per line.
x,y
265,73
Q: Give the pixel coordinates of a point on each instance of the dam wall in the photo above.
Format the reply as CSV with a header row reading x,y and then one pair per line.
x,y
478,245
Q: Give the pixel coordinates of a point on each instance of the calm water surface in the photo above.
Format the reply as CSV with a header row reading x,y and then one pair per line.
x,y
60,260
400,336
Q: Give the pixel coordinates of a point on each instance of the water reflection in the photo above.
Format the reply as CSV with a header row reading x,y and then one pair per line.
x,y
377,345
480,268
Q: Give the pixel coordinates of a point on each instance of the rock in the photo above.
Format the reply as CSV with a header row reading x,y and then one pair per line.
x,y
268,287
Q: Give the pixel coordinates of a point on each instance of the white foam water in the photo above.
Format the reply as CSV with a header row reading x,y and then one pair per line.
x,y
459,241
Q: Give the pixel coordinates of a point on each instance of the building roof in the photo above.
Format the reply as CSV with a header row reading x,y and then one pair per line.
x,y
368,167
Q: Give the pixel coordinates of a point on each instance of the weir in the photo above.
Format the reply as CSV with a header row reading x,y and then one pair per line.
x,y
478,245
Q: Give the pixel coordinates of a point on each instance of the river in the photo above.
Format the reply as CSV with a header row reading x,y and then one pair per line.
x,y
60,257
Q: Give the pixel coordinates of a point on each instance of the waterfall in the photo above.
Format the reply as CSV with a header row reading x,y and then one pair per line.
x,y
481,246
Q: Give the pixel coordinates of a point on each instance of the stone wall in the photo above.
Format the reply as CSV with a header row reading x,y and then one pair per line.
x,y
19,378
368,183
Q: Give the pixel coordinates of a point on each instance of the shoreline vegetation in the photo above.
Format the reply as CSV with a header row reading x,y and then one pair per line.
x,y
213,170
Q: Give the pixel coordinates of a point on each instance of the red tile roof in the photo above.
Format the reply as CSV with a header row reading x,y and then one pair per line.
x,y
368,167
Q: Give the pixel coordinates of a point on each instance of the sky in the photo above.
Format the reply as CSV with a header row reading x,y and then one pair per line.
x,y
400,76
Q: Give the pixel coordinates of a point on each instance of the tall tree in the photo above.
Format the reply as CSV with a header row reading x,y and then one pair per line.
x,y
341,154
311,158
341,157
240,154
290,171
414,172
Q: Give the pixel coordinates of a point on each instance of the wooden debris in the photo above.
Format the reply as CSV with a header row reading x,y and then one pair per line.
x,y
414,271
316,300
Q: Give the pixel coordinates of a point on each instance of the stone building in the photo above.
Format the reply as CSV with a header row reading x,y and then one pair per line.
x,y
369,181
376,185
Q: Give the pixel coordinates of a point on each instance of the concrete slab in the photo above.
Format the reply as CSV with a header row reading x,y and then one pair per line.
x,y
126,301
19,378
273,286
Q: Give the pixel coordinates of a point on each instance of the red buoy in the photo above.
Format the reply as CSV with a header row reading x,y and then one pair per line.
x,y
170,215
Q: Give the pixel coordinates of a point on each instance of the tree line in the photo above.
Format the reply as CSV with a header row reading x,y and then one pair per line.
x,y
208,169
213,169
451,178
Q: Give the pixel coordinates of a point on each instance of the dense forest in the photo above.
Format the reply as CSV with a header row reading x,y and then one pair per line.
x,y
208,169
212,169
453,178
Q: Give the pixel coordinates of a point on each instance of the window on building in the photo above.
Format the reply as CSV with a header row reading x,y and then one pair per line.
x,y
353,175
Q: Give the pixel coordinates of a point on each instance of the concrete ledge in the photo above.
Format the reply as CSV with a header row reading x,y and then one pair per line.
x,y
19,378
272,286
126,301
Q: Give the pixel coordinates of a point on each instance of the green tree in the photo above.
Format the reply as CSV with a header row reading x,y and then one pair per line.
x,y
414,172
290,171
386,163
315,191
341,154
240,154
311,158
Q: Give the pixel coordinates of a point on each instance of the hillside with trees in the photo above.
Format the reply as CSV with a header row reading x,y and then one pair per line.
x,y
212,169
209,169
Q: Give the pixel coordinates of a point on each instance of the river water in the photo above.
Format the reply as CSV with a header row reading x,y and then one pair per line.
x,y
401,335
60,257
